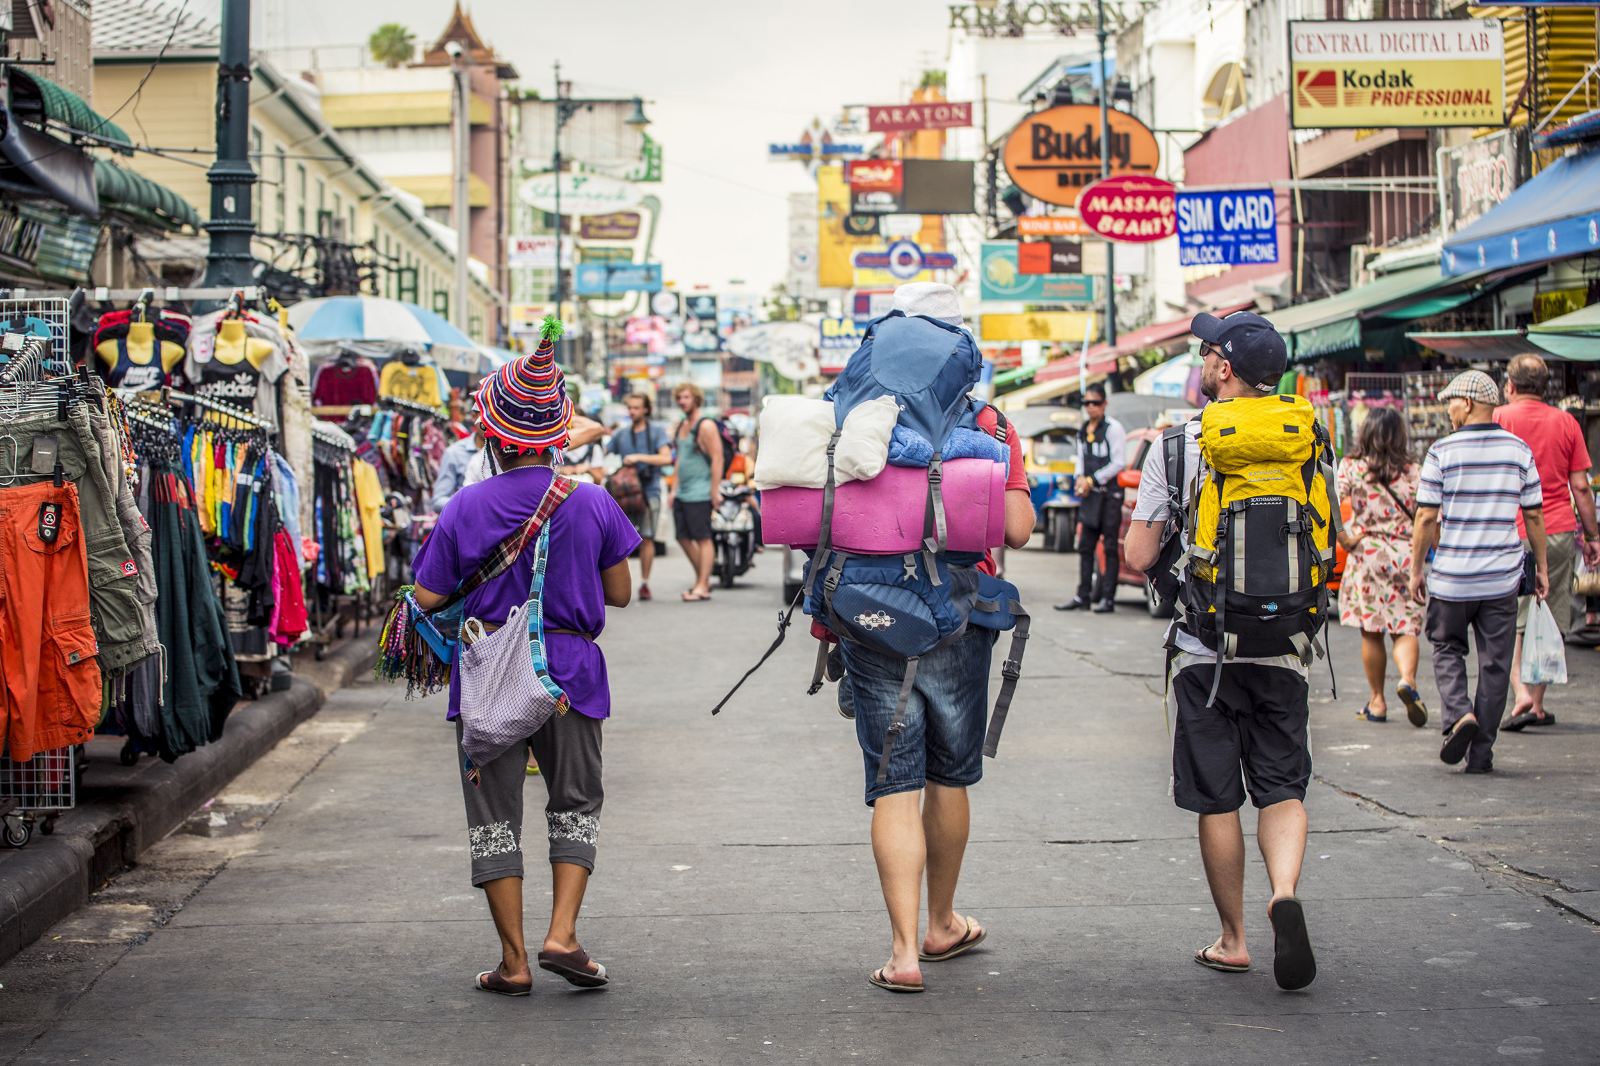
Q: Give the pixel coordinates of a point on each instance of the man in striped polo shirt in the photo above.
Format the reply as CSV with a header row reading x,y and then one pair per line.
x,y
1473,483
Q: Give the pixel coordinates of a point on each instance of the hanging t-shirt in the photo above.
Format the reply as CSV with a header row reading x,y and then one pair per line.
x,y
242,384
346,383
588,534
128,373
418,384
369,501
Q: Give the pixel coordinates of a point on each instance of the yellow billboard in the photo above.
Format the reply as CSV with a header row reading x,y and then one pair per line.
x,y
1069,326
836,249
1361,75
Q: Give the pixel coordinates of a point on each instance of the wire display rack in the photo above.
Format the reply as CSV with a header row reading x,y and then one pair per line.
x,y
34,792
36,314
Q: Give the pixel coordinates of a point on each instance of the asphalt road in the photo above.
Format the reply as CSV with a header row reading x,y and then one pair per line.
x,y
319,910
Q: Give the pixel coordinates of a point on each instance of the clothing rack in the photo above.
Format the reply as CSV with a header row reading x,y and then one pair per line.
x,y
225,412
410,407
167,294
334,437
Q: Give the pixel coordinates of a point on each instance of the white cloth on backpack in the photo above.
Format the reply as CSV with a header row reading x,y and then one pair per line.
x,y
795,431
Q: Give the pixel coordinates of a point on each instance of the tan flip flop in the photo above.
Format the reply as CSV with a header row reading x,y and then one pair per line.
x,y
967,942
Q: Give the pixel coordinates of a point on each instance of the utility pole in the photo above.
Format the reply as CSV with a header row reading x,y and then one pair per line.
x,y
1105,169
460,207
229,260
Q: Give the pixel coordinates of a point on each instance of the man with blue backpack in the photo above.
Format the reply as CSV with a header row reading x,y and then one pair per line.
x,y
917,631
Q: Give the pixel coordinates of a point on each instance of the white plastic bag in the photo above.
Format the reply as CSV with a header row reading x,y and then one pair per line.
x,y
1544,654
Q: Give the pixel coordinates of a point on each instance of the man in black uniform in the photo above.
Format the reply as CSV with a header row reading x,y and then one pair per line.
x,y
1102,453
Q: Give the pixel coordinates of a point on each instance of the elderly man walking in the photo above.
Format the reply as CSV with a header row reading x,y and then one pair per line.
x,y
1473,483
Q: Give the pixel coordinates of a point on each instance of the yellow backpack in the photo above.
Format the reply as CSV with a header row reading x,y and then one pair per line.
x,y
1261,529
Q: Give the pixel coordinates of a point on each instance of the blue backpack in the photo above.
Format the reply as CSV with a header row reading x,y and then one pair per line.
x,y
908,605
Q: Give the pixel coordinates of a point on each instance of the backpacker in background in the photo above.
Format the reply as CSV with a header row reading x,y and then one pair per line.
x,y
1261,528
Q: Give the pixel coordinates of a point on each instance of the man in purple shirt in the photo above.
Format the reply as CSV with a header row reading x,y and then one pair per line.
x,y
525,416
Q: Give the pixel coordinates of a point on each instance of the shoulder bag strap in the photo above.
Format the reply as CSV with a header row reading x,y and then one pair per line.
x,y
506,552
1407,511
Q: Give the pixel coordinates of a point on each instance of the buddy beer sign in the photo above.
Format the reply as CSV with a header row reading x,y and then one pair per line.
x,y
1358,75
1053,154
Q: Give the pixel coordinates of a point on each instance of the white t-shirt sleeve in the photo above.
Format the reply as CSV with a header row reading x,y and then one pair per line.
x,y
1532,486
1430,488
1152,505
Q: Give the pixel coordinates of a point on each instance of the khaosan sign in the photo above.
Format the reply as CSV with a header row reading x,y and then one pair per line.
x,y
1358,75
905,260
614,279
621,226
1227,228
1000,277
1053,154
1130,208
581,194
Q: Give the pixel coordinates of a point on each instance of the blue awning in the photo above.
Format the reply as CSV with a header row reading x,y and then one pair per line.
x,y
1554,216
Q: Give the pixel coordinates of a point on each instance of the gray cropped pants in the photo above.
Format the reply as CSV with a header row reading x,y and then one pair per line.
x,y
568,750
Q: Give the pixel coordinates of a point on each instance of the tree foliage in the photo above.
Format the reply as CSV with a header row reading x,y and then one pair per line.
x,y
392,44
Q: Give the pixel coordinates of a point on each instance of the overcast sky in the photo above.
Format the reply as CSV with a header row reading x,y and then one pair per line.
x,y
723,79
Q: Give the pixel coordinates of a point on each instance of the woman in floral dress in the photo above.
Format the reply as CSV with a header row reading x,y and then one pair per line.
x,y
1380,482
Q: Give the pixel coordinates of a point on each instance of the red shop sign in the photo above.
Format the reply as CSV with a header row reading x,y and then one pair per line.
x,y
1130,208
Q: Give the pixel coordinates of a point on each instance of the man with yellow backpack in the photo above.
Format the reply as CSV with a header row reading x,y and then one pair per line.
x,y
1238,507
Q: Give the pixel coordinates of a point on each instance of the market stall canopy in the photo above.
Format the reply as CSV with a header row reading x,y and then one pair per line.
x,y
1159,335
1573,336
1554,216
1585,320
1325,327
1496,345
40,100
136,195
1043,391
382,326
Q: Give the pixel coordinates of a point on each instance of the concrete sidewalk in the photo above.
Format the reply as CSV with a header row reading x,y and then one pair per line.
x,y
122,811
736,903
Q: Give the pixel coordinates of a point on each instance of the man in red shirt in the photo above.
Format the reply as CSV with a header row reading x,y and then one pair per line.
x,y
1563,462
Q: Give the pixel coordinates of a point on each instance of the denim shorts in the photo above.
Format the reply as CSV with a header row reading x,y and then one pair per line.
x,y
945,717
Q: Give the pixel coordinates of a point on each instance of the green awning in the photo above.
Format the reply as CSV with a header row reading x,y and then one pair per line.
x,y
40,100
1016,376
136,195
1324,327
1495,345
1583,320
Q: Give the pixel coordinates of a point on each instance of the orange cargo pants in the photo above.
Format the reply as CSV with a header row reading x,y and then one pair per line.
x,y
51,679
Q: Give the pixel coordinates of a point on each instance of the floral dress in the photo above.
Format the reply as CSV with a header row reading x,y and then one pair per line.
x,y
1373,596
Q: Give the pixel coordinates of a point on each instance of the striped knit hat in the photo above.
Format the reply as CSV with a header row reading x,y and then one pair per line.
x,y
525,404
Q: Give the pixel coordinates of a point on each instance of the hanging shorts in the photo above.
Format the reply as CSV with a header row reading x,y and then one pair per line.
x,y
47,648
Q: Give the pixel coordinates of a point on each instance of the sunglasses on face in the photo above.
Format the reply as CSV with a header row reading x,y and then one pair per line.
x,y
1094,403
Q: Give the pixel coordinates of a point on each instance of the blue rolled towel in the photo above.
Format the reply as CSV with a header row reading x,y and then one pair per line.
x,y
908,447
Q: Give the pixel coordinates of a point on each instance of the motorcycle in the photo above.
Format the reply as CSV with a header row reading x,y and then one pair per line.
x,y
733,528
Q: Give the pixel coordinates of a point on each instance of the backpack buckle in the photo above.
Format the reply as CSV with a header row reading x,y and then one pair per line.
x,y
1011,669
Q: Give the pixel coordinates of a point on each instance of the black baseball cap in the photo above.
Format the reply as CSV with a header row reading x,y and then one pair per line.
x,y
1249,343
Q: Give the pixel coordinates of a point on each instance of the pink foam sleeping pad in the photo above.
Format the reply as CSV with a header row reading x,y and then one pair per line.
x,y
885,514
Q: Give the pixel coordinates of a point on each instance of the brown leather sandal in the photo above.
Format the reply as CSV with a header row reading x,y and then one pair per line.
x,y
494,981
573,966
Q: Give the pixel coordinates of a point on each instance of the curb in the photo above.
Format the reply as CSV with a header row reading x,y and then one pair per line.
x,y
123,811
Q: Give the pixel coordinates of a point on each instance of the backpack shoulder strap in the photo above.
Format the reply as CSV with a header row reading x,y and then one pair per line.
x,y
1174,446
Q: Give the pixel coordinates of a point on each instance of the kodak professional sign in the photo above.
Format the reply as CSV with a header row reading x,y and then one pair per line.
x,y
1053,154
1358,75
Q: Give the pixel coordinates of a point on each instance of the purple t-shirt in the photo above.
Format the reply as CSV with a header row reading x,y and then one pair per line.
x,y
588,533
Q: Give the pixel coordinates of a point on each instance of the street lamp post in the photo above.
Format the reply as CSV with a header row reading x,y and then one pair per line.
x,y
461,208
229,261
1105,169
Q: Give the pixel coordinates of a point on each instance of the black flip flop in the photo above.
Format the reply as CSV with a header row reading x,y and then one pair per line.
x,y
960,947
1460,739
1293,965
1211,962
492,981
573,967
